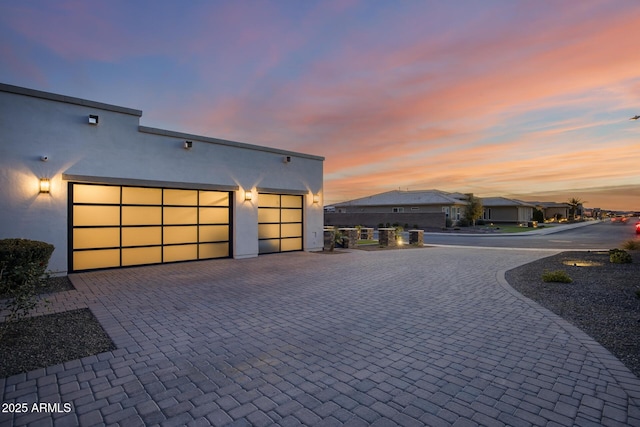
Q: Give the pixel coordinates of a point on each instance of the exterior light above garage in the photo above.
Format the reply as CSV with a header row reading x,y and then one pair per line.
x,y
45,185
316,198
248,195
187,145
93,119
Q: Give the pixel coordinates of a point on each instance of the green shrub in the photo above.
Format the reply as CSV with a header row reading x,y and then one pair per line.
x,y
631,245
538,215
23,264
619,256
464,222
557,276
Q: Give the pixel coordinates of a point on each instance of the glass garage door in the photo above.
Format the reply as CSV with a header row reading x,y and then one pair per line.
x,y
279,223
117,226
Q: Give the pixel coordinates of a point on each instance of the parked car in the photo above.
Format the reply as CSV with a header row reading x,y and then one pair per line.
x,y
638,227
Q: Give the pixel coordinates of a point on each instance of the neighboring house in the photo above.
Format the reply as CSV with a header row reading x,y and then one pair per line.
x,y
502,209
107,192
553,210
425,209
452,205
593,213
398,201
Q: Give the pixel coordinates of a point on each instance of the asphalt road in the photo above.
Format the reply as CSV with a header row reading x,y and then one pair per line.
x,y
601,235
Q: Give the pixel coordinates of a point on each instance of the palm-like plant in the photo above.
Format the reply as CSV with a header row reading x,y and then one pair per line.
x,y
574,205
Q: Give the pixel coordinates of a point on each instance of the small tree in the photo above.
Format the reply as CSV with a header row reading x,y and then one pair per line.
x,y
575,204
473,209
538,215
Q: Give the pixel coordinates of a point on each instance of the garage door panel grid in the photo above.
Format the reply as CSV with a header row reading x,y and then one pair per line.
x,y
280,222
114,226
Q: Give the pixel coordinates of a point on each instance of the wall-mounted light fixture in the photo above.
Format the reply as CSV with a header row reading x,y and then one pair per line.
x,y
316,198
248,195
287,159
187,145
93,119
45,185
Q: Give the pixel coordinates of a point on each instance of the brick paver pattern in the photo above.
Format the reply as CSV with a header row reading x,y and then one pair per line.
x,y
427,336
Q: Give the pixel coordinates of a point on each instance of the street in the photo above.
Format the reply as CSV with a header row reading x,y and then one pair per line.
x,y
603,235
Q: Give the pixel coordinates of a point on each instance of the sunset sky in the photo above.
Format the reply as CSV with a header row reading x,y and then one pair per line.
x,y
527,99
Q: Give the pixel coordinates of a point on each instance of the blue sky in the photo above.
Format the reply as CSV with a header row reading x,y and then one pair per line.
x,y
528,99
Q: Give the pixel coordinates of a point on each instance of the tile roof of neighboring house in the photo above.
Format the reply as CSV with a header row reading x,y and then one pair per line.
x,y
503,201
398,197
435,197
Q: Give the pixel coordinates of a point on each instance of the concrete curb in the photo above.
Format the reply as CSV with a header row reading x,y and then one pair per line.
x,y
537,232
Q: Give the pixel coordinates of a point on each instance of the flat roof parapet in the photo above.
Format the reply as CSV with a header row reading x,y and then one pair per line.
x,y
68,99
181,135
138,113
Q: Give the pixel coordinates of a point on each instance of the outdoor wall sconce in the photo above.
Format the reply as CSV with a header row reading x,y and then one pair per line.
x,y
45,185
93,119
248,196
188,145
316,198
287,159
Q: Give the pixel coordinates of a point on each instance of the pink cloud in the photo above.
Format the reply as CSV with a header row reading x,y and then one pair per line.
x,y
19,65
428,96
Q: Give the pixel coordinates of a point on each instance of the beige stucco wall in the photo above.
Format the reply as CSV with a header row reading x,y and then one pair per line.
x,y
508,213
389,208
551,212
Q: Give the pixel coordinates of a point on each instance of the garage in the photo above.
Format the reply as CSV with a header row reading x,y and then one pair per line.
x,y
279,223
108,191
118,226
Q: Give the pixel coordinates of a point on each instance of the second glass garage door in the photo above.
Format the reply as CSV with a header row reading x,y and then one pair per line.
x,y
279,223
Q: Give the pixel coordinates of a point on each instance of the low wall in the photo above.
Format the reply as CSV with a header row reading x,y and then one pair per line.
x,y
424,220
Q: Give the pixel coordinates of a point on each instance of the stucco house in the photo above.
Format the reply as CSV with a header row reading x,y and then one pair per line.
x,y
553,210
412,207
424,209
398,201
504,210
107,192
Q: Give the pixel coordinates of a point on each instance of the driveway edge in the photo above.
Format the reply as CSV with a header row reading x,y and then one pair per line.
x,y
625,378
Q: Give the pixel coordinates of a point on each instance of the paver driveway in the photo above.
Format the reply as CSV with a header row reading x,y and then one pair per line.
x,y
407,337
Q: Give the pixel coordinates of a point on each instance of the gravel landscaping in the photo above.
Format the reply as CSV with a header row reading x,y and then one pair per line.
x,y
603,298
42,341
